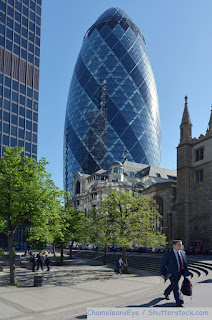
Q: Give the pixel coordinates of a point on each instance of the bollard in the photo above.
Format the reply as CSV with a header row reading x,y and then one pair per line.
x,y
38,279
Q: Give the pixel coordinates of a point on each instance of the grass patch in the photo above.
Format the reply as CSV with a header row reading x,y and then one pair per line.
x,y
58,262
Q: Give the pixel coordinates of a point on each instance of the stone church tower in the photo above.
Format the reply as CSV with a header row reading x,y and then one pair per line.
x,y
192,221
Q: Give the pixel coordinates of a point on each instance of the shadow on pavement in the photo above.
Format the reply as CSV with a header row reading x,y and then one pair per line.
x,y
4,279
59,277
167,305
206,281
149,304
87,262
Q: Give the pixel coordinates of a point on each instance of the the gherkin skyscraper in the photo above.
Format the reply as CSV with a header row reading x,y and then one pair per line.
x,y
112,106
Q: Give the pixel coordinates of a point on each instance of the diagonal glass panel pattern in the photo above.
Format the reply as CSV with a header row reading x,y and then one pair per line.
x,y
112,103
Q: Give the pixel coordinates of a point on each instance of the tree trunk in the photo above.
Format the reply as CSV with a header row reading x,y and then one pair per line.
x,y
71,247
105,256
54,249
113,247
61,253
12,257
124,251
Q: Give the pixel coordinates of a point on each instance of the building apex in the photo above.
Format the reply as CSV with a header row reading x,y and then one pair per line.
x,y
210,122
186,116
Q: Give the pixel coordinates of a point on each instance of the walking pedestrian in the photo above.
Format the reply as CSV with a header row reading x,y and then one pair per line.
x,y
119,266
174,263
47,262
33,262
39,261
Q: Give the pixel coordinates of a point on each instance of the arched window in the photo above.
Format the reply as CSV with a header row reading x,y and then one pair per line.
x,y
138,186
93,193
77,187
137,189
159,202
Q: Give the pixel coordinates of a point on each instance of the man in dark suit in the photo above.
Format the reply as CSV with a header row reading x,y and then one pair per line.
x,y
119,265
174,264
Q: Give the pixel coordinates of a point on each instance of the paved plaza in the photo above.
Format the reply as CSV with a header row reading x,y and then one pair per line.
x,y
68,290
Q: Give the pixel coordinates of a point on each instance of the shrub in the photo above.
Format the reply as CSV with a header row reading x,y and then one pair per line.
x,y
124,271
1,252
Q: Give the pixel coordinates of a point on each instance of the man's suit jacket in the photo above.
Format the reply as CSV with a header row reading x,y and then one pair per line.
x,y
169,264
118,265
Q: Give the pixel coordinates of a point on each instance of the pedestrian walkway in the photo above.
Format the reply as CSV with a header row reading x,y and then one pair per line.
x,y
67,291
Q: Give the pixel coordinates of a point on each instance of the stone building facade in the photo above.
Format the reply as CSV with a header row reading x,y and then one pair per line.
x,y
159,183
165,195
192,220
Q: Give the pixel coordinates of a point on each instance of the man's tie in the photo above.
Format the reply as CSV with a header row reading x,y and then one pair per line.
x,y
180,261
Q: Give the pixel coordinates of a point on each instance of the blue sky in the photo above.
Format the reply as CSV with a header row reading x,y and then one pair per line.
x,y
178,36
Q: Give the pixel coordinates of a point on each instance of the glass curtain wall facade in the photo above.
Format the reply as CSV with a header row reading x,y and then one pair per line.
x,y
20,28
112,108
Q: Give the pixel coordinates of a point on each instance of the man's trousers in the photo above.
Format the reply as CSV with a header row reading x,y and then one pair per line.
x,y
175,287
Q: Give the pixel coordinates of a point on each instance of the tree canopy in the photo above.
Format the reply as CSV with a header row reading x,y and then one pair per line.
x,y
124,219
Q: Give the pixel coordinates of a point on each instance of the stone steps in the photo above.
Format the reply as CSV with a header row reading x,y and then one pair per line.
x,y
199,269
205,264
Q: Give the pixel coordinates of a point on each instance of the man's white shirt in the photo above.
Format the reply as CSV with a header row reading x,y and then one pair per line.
x,y
176,255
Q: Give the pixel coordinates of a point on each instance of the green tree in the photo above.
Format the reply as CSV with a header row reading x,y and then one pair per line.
x,y
65,226
127,219
47,232
75,227
28,194
102,229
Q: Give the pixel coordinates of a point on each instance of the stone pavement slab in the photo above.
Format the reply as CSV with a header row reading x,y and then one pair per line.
x,y
6,310
122,285
47,298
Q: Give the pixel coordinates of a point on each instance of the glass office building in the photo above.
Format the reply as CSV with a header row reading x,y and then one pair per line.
x,y
20,28
112,110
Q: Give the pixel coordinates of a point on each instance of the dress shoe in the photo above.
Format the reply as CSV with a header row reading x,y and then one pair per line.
x,y
179,305
166,296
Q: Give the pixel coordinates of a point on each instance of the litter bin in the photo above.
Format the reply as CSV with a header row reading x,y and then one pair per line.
x,y
38,280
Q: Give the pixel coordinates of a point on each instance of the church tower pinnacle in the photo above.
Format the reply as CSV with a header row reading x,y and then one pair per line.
x,y
210,124
186,125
